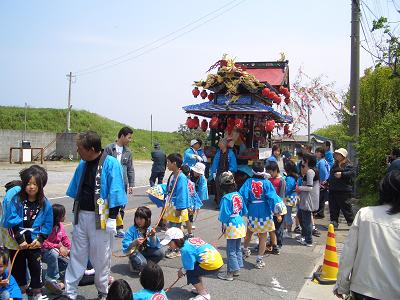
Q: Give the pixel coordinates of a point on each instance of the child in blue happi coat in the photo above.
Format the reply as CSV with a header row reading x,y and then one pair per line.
x,y
291,197
231,211
262,203
29,215
194,200
152,280
134,238
8,286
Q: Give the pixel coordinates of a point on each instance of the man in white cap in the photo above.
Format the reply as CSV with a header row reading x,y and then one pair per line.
x,y
341,181
194,154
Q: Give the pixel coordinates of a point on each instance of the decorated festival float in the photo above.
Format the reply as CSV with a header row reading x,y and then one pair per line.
x,y
245,103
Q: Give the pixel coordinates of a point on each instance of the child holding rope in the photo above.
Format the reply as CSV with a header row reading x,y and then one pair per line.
x,y
152,280
231,211
194,201
198,259
200,183
291,197
279,184
30,216
177,200
261,201
56,251
8,286
142,249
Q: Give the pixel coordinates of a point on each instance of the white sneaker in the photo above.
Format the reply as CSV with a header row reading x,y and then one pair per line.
x,y
285,233
201,297
246,252
304,243
260,264
89,272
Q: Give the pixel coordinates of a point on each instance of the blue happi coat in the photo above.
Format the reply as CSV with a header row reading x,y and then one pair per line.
x,y
232,164
14,215
112,187
133,234
201,188
194,200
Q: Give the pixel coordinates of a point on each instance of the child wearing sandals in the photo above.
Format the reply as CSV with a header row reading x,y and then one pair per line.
x,y
177,196
55,251
194,201
198,259
262,202
144,250
30,217
230,215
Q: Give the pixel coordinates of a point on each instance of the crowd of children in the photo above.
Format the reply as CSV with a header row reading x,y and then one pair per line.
x,y
36,233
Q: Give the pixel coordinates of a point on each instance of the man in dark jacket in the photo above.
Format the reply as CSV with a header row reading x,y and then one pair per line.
x,y
159,164
341,181
394,160
121,152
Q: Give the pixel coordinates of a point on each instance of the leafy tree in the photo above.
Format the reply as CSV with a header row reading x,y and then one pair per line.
x,y
337,133
190,134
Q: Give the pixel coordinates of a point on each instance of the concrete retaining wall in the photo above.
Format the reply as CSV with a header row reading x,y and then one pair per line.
x,y
13,138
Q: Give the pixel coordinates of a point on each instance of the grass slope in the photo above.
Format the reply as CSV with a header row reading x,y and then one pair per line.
x,y
54,120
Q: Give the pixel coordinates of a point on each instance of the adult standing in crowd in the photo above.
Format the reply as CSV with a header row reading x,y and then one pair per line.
x,y
194,154
121,152
394,160
324,170
328,153
275,155
159,164
98,190
369,267
341,180
224,160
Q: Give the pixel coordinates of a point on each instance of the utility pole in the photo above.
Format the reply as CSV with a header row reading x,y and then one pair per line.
x,y
26,111
151,130
309,123
69,102
354,78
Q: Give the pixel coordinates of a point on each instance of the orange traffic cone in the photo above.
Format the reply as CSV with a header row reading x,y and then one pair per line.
x,y
328,273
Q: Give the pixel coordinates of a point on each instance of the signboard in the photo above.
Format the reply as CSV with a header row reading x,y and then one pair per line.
x,y
264,153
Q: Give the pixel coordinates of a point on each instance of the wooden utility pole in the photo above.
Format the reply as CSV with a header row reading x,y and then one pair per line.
x,y
69,102
354,78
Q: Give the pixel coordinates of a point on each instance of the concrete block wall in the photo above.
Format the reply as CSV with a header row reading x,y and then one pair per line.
x,y
13,138
66,145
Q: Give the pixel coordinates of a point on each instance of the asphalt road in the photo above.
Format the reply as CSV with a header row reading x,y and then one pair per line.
x,y
282,278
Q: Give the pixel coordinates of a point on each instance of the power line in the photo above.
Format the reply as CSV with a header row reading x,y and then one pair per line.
x,y
85,70
366,40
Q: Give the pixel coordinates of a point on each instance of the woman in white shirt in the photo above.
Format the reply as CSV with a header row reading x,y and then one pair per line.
x,y
370,262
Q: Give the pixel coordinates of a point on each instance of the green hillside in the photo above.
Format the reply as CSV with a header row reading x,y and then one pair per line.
x,y
54,120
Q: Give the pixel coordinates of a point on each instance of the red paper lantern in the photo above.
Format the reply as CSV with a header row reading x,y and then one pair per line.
x,y
287,94
230,122
281,89
211,96
214,122
286,129
195,92
204,125
221,126
196,122
203,94
287,100
239,124
265,92
277,99
269,125
188,122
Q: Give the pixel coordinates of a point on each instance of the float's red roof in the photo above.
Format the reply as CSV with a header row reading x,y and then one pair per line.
x,y
272,76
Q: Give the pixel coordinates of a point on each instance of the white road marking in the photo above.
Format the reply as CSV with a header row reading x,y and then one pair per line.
x,y
135,187
277,285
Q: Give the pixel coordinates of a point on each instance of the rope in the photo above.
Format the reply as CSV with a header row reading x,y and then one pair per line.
x,y
171,286
158,221
12,265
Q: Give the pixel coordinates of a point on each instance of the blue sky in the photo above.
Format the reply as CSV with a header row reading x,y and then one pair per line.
x,y
44,40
